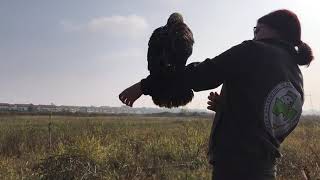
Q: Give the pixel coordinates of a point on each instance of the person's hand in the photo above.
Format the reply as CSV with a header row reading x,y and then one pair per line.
x,y
131,94
214,101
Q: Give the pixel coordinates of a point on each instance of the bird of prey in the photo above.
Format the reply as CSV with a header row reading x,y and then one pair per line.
x,y
169,48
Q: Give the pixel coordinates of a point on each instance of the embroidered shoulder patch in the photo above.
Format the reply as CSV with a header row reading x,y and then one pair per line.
x,y
282,109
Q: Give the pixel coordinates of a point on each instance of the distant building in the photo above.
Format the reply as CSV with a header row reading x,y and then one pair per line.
x,y
5,107
83,109
22,107
74,109
47,108
92,109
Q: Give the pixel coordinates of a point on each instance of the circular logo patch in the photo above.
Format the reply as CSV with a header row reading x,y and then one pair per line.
x,y
282,109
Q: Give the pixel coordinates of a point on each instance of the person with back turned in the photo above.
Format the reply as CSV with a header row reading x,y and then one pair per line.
x,y
261,99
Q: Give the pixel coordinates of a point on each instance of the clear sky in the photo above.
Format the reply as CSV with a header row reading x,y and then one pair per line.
x,y
85,52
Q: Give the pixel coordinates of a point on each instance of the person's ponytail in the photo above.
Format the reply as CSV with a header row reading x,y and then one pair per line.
x,y
287,24
305,55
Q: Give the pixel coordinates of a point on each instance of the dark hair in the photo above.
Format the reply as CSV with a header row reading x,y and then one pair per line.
x,y
287,24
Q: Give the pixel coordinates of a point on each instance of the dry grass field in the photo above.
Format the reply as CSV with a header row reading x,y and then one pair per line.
x,y
131,147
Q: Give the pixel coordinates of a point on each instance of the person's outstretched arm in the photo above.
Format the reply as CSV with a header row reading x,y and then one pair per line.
x,y
205,75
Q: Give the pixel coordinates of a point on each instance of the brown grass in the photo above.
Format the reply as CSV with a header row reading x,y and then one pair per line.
x,y
126,147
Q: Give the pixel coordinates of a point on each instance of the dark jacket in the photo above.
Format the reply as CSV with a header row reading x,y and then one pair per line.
x,y
262,97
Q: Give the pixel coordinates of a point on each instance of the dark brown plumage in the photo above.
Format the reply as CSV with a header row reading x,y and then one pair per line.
x,y
169,48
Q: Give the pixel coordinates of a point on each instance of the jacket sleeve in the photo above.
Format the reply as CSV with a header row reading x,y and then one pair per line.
x,y
210,73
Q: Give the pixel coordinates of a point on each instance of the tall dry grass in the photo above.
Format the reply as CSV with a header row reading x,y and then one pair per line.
x,y
126,147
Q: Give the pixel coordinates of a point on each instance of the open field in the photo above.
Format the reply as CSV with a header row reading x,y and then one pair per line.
x,y
124,147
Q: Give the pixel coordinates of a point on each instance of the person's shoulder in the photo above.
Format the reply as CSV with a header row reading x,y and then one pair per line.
x,y
248,46
245,46
263,46
249,43
264,43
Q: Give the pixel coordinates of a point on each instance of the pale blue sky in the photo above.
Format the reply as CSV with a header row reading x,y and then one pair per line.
x,y
77,52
